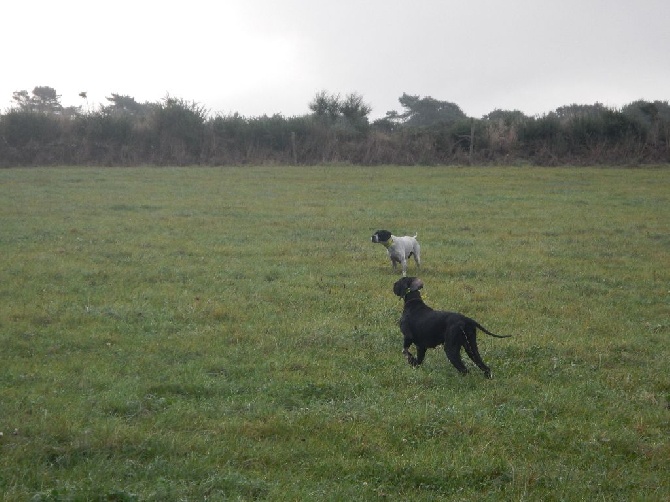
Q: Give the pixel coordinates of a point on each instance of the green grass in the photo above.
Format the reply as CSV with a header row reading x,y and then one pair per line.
x,y
231,334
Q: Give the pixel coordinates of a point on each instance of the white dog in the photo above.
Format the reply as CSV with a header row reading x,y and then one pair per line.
x,y
399,248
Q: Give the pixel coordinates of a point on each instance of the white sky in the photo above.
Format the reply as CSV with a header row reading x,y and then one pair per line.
x,y
261,57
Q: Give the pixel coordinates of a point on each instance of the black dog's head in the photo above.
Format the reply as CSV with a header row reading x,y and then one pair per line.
x,y
406,285
381,236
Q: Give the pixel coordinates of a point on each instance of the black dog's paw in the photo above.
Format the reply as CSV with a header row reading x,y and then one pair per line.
x,y
413,361
488,374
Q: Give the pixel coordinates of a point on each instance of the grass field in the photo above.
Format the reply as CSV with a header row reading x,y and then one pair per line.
x,y
231,334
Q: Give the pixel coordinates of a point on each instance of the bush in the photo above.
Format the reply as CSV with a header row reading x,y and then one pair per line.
x,y
20,128
178,132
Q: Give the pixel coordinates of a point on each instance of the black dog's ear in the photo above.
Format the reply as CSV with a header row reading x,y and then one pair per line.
x,y
407,285
415,284
399,287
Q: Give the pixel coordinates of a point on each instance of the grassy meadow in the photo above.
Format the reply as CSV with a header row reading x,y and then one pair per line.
x,y
231,334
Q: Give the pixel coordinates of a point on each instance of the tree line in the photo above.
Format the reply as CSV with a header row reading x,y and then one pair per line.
x,y
38,131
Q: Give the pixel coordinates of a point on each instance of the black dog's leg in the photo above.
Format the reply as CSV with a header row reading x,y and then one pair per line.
x,y
410,357
452,348
407,343
470,338
420,355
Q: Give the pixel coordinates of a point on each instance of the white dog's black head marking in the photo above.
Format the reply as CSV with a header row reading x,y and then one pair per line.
x,y
381,236
399,249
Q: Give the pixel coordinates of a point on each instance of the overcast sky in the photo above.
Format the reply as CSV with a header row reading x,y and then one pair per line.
x,y
261,57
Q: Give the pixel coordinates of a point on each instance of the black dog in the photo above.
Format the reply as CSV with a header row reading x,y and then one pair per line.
x,y
427,328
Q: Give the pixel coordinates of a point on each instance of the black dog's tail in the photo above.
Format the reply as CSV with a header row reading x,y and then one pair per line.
x,y
488,332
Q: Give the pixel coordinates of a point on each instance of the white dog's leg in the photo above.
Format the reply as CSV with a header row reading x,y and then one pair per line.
x,y
404,267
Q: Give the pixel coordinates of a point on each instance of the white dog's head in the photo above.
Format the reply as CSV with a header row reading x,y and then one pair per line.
x,y
381,236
